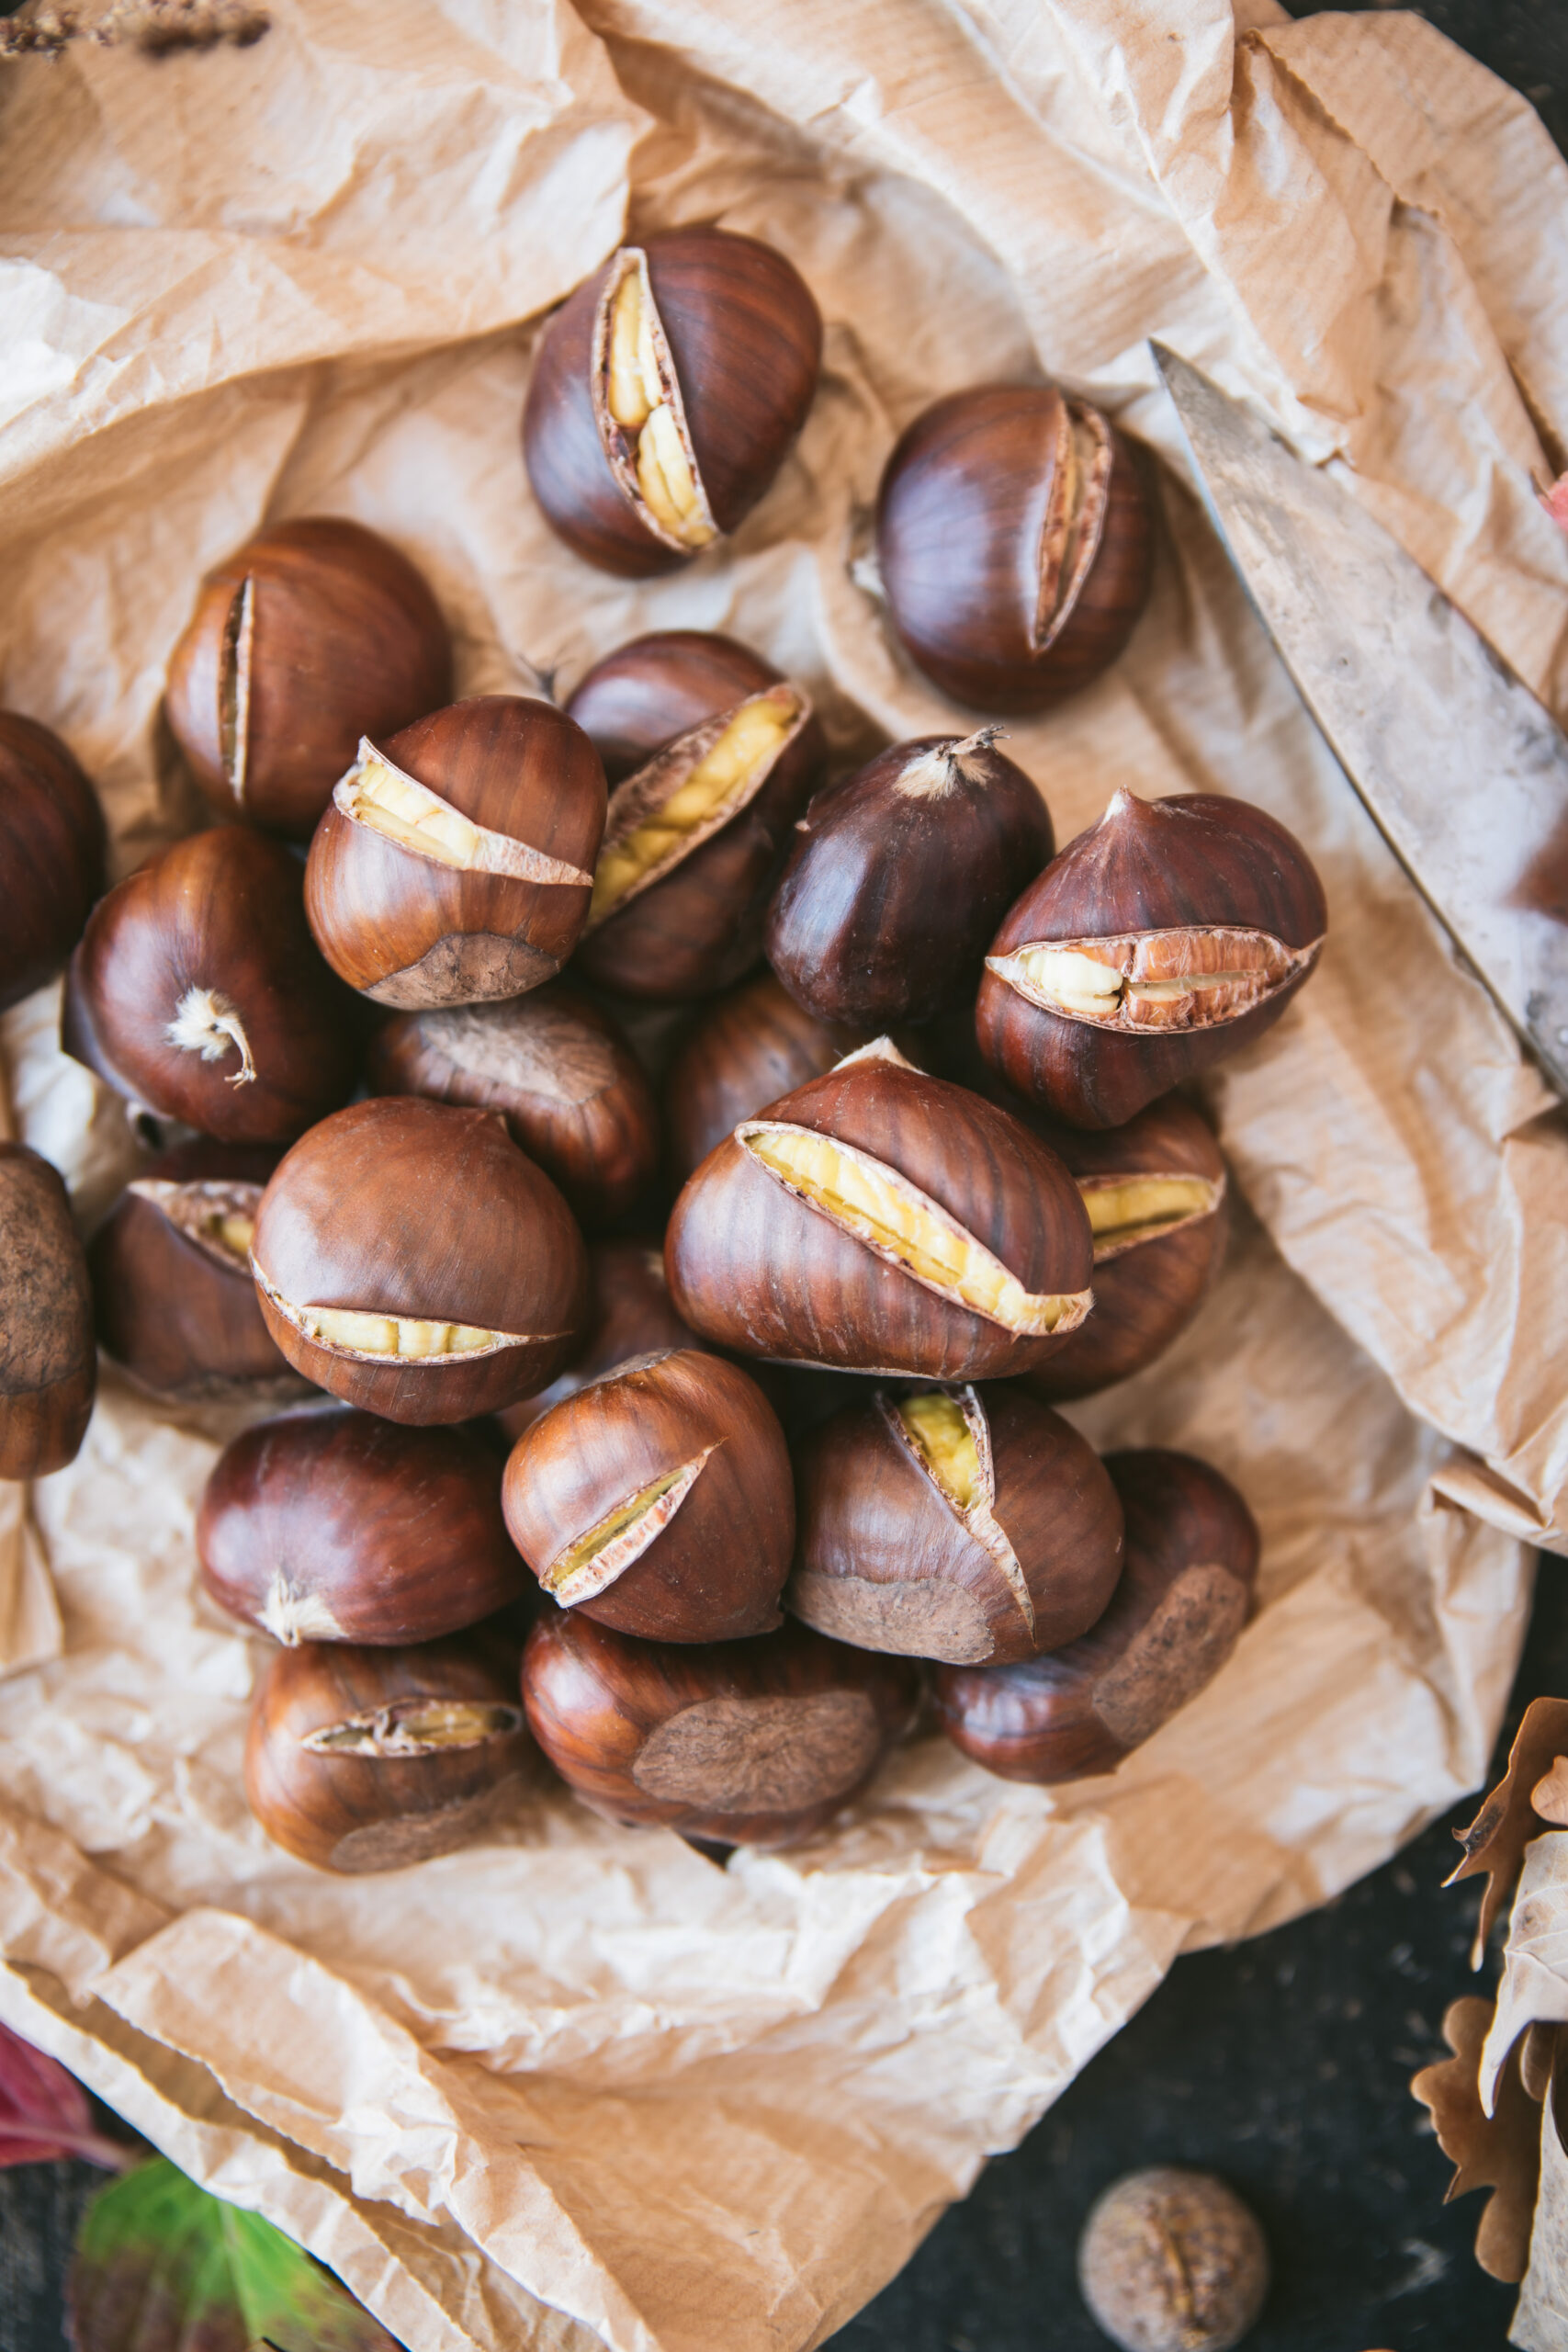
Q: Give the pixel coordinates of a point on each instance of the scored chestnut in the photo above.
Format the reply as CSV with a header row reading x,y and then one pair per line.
x,y
1165,937
967,1524
658,1499
368,1759
313,634
197,992
629,1315
558,1069
754,1045
899,875
754,1743
655,687
329,1525
879,1220
665,395
413,1261
49,1366
51,853
454,862
1187,1589
1013,538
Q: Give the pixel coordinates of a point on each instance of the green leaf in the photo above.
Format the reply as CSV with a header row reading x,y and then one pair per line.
x,y
162,2267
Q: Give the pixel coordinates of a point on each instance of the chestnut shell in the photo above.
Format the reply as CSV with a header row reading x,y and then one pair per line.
x,y
49,1366
655,687
629,1315
51,853
754,1045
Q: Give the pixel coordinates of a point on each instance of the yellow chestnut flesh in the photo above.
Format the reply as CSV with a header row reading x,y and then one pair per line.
x,y
609,1547
415,1728
725,774
636,395
407,812
946,1443
1144,1207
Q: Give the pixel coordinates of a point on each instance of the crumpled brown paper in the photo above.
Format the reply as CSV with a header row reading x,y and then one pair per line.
x,y
576,2086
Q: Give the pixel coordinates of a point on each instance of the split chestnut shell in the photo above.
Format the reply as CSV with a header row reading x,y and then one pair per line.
x,y
49,1366
51,853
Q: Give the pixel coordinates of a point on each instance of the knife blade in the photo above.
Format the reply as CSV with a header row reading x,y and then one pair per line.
x,y
1461,769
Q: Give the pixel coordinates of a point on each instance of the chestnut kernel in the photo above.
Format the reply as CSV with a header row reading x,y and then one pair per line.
x,y
51,853
1186,1592
751,1743
658,1499
49,1366
368,1759
971,1525
313,634
629,1315
899,875
665,395
412,1261
755,1045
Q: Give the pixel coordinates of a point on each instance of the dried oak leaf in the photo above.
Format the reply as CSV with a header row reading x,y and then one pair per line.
x,y
1496,1838
1500,2151
44,2111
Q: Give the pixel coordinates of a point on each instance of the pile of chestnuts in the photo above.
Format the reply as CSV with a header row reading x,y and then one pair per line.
x,y
695,1430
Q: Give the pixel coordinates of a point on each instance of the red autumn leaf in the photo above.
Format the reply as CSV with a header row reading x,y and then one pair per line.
x,y
44,2111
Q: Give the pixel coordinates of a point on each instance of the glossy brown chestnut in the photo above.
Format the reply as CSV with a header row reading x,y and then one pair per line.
x,y
51,855
1160,941
313,634
754,1743
558,1069
629,1315
49,1366
171,1289
329,1525
454,862
368,1759
756,1044
197,992
665,395
1013,537
967,1524
1185,1594
658,1499
413,1261
899,875
879,1220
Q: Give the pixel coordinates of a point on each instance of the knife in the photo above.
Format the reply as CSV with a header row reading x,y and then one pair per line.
x,y
1462,771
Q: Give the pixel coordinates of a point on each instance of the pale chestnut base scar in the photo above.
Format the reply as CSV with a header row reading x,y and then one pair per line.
x,y
928,1617
1170,1659
761,1755
1188,979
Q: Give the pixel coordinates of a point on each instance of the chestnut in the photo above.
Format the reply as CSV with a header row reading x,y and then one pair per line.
x,y
665,395
368,1759
329,1525
972,1525
658,1499
1187,1589
1013,538
756,1044
558,1069
879,1220
49,1366
1169,934
629,1315
51,853
313,634
171,1289
754,1743
412,1261
197,992
899,875
655,687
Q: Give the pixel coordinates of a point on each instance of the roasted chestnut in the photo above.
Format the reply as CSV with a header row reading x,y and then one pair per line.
x,y
1013,538
558,1069
754,1743
368,1759
412,1261
51,853
961,1523
898,878
1185,1594
755,1045
629,1315
313,634
655,687
49,1366
197,992
329,1525
171,1288
1167,936
665,395
879,1220
455,863
658,1499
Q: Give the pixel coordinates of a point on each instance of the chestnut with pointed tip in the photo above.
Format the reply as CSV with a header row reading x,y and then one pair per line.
x,y
49,1366
1187,1589
754,1045
752,1743
51,853
629,1315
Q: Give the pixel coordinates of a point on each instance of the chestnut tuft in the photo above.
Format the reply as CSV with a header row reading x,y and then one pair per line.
x,y
971,1525
754,1045
629,1315
1186,1592
754,1743
659,1500
368,1759
1169,936
665,395
313,634
413,1261
49,1366
51,853
879,1220
899,875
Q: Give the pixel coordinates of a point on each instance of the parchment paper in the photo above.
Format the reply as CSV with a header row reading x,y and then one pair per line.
x,y
577,2086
